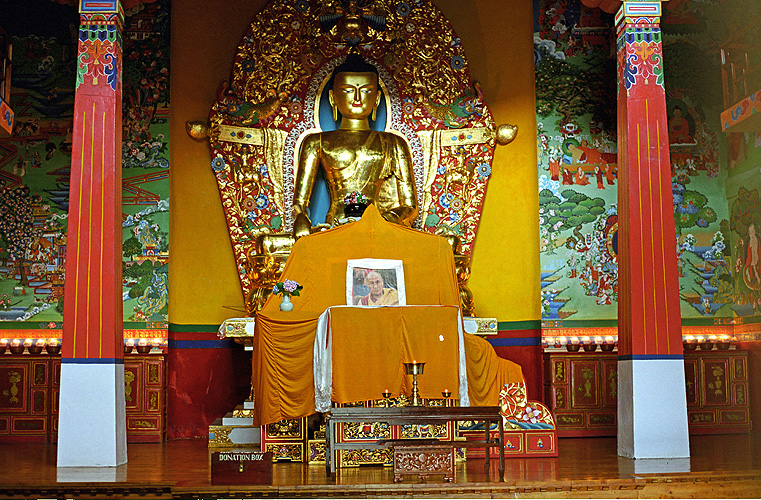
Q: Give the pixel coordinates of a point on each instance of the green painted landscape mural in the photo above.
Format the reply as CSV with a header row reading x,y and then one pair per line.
x,y
715,175
35,164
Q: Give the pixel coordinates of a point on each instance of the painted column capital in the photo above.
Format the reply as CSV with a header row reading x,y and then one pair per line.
x,y
99,59
636,11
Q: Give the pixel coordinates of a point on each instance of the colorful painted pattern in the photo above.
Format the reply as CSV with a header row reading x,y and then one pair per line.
x,y
99,50
579,258
741,111
38,156
92,326
6,117
640,55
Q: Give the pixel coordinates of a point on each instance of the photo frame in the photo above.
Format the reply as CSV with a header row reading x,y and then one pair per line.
x,y
375,282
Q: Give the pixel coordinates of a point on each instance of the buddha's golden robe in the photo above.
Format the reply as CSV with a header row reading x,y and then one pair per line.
x,y
376,164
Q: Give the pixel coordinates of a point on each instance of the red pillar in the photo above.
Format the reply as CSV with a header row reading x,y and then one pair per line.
x,y
92,373
651,366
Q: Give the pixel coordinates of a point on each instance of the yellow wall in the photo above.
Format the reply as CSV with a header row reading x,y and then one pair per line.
x,y
497,37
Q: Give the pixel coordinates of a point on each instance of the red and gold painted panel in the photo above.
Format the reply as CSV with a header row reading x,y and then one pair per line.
x,y
14,379
717,397
274,100
30,388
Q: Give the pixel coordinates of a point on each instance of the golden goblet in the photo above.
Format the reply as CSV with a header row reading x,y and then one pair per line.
x,y
415,368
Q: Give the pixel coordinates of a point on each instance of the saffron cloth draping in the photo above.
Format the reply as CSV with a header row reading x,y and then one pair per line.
x,y
282,377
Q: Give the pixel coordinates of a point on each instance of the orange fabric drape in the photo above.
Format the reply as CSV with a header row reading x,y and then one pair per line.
x,y
370,347
284,341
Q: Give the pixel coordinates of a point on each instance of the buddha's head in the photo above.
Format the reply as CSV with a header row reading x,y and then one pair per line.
x,y
354,92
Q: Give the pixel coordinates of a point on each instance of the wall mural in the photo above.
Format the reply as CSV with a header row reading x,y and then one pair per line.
x,y
575,81
35,164
744,197
575,84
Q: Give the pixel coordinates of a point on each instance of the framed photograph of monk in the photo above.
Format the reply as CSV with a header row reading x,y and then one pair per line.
x,y
375,282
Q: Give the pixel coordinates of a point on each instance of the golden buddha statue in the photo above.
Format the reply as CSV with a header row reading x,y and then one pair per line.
x,y
353,158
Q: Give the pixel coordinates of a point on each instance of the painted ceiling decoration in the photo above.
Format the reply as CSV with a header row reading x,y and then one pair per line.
x,y
611,6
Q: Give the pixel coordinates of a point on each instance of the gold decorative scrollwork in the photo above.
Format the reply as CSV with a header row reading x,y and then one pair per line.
x,y
143,424
284,428
424,431
366,430
243,413
129,377
740,394
316,451
221,436
234,328
355,458
515,406
282,451
14,378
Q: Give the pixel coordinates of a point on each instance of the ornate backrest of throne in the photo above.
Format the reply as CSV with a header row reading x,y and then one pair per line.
x,y
274,99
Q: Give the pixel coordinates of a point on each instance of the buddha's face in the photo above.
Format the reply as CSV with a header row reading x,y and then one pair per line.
x,y
355,94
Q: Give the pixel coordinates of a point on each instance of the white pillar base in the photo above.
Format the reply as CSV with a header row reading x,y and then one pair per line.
x,y
653,466
92,474
652,409
92,421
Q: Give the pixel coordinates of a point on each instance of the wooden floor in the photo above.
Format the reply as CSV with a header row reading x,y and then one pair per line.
x,y
720,467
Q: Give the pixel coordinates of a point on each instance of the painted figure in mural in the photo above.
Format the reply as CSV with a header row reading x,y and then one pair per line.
x,y
379,295
752,271
598,175
554,169
355,158
581,177
567,177
610,174
679,128
575,152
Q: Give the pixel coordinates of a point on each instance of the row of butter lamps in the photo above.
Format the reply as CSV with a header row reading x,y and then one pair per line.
x,y
53,346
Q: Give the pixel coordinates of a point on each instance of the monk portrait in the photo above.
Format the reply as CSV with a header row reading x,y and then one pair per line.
x,y
378,294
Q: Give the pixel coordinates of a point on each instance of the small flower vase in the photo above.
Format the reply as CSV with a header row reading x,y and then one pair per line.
x,y
286,304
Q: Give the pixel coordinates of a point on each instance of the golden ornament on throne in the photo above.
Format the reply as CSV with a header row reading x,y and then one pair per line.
x,y
346,98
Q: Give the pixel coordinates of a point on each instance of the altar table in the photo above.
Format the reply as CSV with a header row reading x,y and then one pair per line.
x,y
400,415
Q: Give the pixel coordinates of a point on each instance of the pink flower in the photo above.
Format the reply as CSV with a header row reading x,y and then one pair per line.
x,y
290,286
531,414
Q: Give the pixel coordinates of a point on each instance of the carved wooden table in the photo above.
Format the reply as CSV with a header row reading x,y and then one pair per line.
x,y
416,415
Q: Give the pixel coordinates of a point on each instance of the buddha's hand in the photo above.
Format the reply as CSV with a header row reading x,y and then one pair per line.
x,y
400,215
391,217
